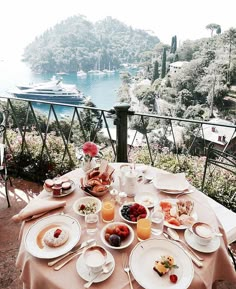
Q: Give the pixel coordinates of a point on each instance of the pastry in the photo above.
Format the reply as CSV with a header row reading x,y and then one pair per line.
x,y
163,266
55,237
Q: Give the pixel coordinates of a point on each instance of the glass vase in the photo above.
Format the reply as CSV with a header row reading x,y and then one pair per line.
x,y
88,164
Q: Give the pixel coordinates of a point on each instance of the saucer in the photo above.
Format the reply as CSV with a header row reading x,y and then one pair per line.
x,y
211,247
87,275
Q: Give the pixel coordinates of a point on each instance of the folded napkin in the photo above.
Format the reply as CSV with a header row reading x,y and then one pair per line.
x,y
171,182
36,208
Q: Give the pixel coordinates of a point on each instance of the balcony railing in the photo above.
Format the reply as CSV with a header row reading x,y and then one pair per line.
x,y
49,144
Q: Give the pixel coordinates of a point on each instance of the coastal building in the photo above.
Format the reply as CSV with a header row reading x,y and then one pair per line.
x,y
222,137
175,66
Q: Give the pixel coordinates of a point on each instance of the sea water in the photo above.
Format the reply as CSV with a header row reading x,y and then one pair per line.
x,y
102,89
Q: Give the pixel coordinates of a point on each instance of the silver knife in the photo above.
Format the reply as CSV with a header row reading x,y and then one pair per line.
x,y
72,251
70,258
192,257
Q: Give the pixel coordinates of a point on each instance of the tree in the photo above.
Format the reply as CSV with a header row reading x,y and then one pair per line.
x,y
218,30
213,27
173,44
230,40
155,71
163,66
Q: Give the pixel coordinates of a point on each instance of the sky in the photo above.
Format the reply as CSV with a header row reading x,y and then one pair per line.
x,y
22,20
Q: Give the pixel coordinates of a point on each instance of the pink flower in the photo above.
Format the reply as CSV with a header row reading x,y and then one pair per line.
x,y
90,148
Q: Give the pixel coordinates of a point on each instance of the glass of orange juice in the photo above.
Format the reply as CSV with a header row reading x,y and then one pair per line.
x,y
108,210
143,229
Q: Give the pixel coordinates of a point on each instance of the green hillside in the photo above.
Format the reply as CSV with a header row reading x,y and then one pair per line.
x,y
76,43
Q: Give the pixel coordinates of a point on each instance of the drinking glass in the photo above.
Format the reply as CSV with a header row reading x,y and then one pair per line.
x,y
108,210
91,222
157,219
143,229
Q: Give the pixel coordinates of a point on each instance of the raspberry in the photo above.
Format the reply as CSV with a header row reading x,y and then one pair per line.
x,y
57,233
173,278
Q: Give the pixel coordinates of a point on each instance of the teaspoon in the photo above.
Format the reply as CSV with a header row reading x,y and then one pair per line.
x,y
105,269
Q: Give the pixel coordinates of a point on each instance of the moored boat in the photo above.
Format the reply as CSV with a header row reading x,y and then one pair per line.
x,y
53,90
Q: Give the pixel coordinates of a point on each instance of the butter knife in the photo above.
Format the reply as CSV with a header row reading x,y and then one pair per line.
x,y
74,250
69,259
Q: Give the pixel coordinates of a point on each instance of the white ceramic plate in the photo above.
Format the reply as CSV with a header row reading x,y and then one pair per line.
x,y
68,223
85,201
181,227
84,272
171,183
64,192
125,243
147,199
130,203
147,252
211,247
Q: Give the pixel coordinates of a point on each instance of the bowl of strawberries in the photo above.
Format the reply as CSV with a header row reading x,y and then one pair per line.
x,y
133,211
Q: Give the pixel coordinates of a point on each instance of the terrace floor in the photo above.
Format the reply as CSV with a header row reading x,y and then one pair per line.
x,y
20,194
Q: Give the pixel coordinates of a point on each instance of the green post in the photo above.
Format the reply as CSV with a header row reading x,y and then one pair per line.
x,y
121,131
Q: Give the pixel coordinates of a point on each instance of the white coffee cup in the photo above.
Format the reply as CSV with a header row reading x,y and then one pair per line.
x,y
95,257
202,232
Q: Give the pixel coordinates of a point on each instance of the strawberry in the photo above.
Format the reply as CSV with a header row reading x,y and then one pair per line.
x,y
57,233
173,278
82,207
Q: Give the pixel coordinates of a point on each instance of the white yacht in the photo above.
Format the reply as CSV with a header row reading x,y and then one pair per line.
x,y
53,90
81,73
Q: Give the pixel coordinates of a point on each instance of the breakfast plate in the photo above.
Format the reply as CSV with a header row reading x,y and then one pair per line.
x,y
151,250
193,215
147,199
87,275
34,237
213,245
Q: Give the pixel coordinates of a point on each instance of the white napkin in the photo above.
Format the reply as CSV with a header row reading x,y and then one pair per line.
x,y
171,182
36,208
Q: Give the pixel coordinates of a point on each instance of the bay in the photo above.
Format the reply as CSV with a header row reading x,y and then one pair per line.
x,y
102,89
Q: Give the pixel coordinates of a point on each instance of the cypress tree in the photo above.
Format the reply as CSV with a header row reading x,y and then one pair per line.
x,y
163,66
155,71
173,46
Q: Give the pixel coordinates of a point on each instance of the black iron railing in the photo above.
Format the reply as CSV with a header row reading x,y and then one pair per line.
x,y
44,145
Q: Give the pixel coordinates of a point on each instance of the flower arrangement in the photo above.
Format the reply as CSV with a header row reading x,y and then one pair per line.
x,y
90,150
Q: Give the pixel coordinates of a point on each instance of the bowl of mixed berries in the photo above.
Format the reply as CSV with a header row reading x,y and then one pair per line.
x,y
132,212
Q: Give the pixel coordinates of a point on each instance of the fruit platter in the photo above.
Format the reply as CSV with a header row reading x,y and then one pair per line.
x,y
117,235
98,180
131,212
178,214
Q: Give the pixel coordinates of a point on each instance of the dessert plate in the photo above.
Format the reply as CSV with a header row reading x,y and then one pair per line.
x,y
87,275
147,199
181,227
211,247
33,238
147,252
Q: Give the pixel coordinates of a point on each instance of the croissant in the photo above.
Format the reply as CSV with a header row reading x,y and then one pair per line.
x,y
99,188
93,182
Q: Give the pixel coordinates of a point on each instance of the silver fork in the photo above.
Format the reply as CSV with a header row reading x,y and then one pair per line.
x,y
125,264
